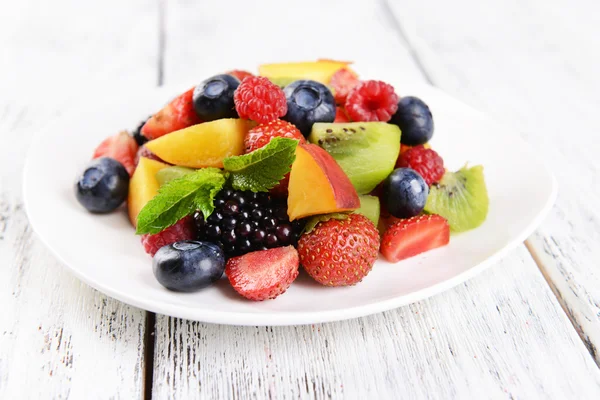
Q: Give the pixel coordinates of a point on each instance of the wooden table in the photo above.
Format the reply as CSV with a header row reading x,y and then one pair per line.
x,y
527,328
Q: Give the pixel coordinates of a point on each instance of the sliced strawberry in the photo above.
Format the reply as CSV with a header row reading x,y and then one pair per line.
x,y
409,237
121,147
263,274
176,115
340,115
342,82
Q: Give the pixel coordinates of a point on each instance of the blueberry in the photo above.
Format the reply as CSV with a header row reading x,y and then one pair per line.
x,y
188,265
213,98
103,185
308,102
415,121
404,193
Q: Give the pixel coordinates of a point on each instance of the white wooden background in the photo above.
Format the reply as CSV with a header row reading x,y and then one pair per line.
x,y
527,328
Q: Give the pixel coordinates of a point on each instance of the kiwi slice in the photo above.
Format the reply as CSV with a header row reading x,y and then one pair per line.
x,y
283,81
369,207
366,151
461,197
168,174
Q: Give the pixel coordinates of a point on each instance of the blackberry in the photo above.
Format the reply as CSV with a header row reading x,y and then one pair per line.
x,y
137,133
243,222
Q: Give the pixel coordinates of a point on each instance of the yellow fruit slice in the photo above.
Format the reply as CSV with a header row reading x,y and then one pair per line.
x,y
143,186
203,145
320,71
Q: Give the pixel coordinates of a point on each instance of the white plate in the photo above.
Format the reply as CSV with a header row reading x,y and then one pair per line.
x,y
104,252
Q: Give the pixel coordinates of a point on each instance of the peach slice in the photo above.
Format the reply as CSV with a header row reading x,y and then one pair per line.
x,y
143,186
202,145
320,71
318,185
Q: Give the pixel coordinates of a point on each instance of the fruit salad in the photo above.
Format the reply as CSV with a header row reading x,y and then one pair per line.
x,y
303,165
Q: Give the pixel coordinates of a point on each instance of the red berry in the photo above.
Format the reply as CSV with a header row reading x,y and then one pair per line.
x,y
176,115
120,147
340,252
262,134
263,274
409,237
342,82
240,74
182,230
260,100
426,162
372,101
340,115
144,152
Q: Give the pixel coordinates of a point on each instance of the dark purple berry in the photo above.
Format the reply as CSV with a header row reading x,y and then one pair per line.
x,y
269,222
228,223
229,236
284,233
271,240
257,214
213,231
258,236
231,208
244,246
243,229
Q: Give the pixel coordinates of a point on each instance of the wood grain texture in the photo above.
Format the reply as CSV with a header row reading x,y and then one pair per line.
x,y
531,64
501,335
60,338
490,338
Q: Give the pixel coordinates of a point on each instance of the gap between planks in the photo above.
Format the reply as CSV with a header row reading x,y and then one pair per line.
x,y
150,334
415,54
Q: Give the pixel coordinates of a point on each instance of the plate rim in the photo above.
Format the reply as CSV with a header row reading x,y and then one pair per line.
x,y
278,318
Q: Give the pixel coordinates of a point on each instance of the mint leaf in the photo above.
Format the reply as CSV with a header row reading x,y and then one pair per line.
x,y
262,169
314,221
179,198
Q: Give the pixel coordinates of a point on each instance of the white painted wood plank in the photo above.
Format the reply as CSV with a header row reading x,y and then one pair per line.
x,y
533,65
502,334
60,338
490,338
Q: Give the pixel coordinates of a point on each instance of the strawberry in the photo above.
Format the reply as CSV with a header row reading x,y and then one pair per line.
x,y
262,134
120,147
340,115
176,115
342,82
240,74
263,274
409,237
340,252
184,229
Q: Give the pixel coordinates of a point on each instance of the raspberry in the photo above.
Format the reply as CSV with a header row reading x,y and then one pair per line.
x,y
262,134
182,230
238,73
342,82
426,162
260,100
340,115
372,101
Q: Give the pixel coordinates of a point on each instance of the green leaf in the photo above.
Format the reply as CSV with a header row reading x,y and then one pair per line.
x,y
179,198
262,169
314,221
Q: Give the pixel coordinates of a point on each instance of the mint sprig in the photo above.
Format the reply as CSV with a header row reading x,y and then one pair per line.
x,y
180,198
262,169
258,171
